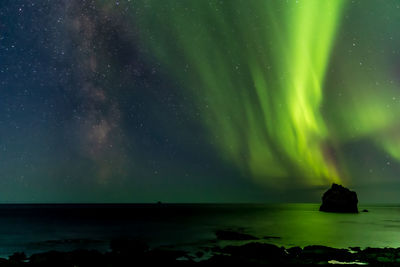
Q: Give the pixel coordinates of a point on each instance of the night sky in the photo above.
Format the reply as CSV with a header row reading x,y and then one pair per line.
x,y
198,101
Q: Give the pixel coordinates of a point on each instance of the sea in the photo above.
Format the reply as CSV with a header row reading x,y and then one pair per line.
x,y
34,228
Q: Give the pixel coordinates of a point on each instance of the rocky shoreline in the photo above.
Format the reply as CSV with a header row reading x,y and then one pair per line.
x,y
136,253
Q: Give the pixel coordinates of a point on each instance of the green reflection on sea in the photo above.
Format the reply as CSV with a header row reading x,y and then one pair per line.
x,y
303,224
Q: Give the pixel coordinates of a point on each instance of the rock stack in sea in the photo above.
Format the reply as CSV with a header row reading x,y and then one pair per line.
x,y
339,199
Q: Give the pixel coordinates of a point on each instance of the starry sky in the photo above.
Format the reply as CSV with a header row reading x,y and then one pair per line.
x,y
198,101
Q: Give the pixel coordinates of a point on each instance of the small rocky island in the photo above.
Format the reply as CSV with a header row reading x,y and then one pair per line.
x,y
339,199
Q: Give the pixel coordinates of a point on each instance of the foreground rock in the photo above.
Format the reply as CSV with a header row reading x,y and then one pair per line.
x,y
136,253
233,235
339,199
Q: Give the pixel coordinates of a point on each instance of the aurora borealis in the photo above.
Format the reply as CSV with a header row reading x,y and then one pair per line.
x,y
263,97
198,101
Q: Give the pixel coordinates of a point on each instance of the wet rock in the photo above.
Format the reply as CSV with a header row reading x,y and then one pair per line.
x,y
339,199
377,256
199,254
250,254
294,252
128,246
18,257
322,253
233,236
80,258
356,249
256,252
164,257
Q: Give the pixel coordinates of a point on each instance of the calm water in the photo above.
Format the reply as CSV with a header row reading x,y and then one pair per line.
x,y
35,228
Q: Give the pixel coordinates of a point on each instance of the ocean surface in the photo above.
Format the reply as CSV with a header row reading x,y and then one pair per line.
x,y
191,227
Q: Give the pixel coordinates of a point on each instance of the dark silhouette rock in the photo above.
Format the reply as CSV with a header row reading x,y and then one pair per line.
x,y
364,210
356,249
232,235
294,252
199,254
18,257
250,254
323,253
339,199
128,246
256,252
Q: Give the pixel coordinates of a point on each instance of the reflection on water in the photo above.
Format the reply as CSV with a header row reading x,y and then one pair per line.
x,y
35,228
303,224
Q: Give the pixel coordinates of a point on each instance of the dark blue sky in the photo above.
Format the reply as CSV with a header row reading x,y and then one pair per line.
x,y
85,117
89,114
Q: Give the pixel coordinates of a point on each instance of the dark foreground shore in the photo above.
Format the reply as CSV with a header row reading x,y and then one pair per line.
x,y
136,253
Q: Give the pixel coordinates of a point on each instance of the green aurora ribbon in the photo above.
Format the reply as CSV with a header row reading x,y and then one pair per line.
x,y
256,70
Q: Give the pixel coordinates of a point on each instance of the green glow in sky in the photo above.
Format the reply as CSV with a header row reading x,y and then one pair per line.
x,y
256,70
